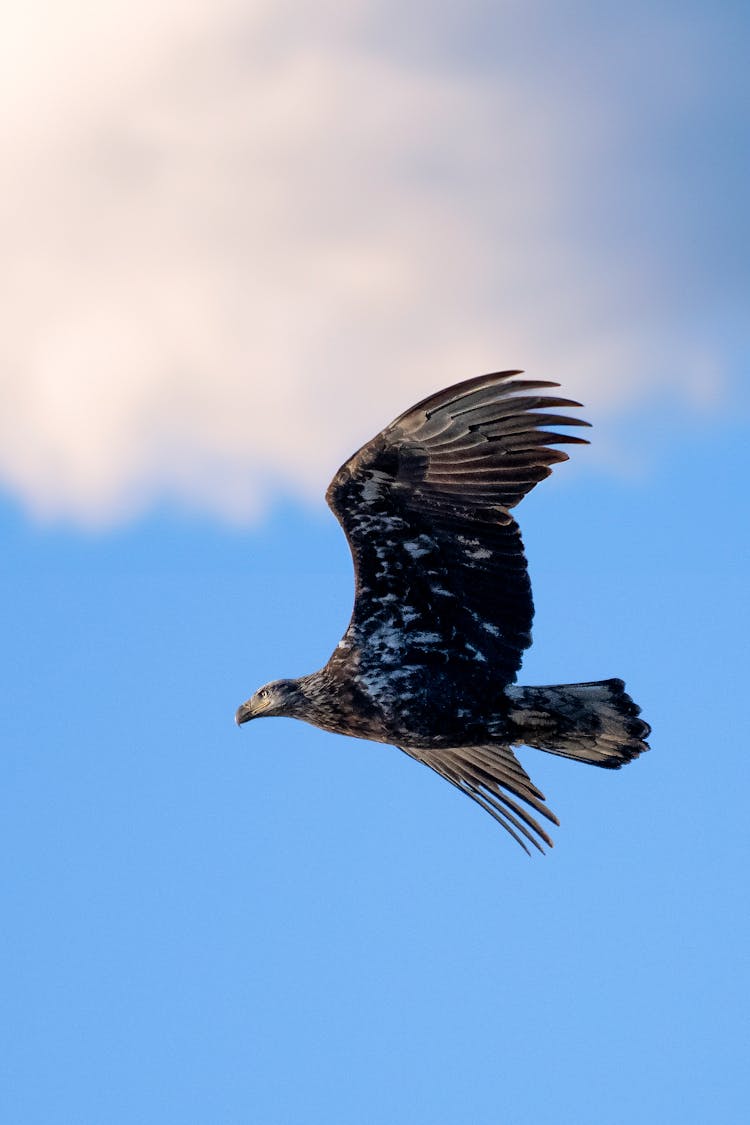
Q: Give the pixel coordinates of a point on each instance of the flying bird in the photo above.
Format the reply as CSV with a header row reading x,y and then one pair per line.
x,y
443,606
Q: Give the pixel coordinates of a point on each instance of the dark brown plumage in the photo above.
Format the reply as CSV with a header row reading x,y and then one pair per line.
x,y
443,605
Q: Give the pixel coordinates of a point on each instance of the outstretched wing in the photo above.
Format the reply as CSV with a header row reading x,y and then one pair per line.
x,y
440,571
492,776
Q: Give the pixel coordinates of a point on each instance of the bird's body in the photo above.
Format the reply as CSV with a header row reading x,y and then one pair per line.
x,y
443,605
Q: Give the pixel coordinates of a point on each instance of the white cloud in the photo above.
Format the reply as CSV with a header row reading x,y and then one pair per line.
x,y
236,243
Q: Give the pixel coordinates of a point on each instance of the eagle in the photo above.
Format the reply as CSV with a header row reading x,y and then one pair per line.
x,y
443,606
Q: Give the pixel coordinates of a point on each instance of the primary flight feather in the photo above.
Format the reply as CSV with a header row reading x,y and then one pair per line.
x,y
443,607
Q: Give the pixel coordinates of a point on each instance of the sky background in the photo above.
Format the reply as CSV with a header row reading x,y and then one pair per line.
x,y
237,240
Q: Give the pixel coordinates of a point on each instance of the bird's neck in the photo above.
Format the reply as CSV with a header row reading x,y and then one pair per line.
x,y
316,701
336,704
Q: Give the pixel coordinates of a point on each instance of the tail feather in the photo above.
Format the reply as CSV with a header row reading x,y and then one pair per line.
x,y
596,723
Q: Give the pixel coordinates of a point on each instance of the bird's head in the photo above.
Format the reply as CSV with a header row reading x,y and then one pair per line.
x,y
280,697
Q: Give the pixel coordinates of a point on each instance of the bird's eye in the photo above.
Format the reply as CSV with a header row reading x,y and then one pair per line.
x,y
263,694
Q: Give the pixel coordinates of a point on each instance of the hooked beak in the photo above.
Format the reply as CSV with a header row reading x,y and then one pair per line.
x,y
244,713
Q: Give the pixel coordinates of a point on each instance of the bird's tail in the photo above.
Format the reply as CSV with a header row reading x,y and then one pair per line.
x,y
596,723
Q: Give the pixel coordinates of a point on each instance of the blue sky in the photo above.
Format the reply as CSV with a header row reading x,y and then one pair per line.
x,y
275,924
